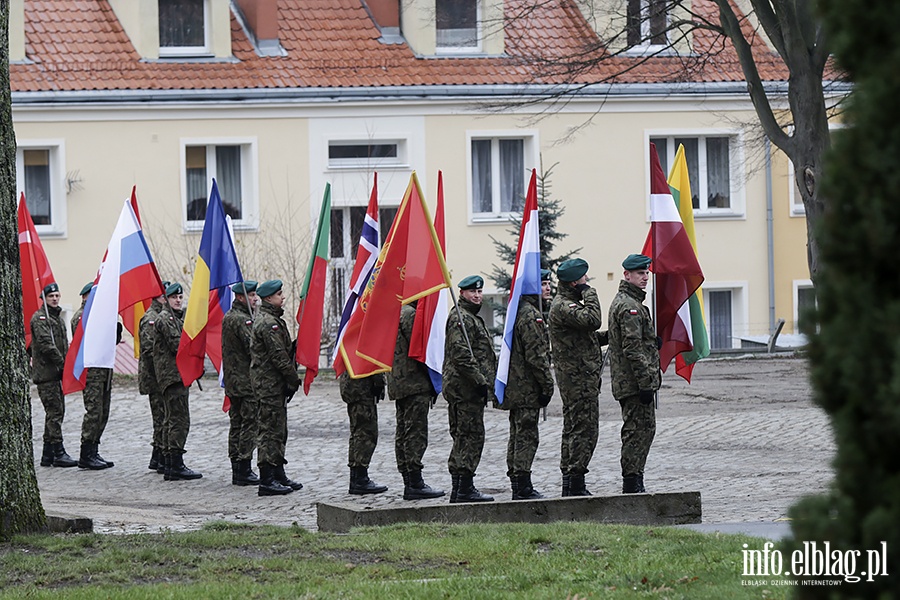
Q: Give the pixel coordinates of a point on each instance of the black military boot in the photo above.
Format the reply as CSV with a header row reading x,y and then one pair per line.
x,y
176,471
576,486
109,463
242,474
154,459
468,492
567,486
631,484
454,490
89,459
523,489
361,484
268,486
283,479
415,488
61,458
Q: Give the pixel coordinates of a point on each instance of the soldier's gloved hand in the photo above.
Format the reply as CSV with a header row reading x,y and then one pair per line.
x,y
646,396
582,286
658,343
544,400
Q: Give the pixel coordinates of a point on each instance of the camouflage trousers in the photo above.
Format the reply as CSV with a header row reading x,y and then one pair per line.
x,y
54,402
467,431
363,432
158,415
523,440
97,394
638,431
272,431
242,433
177,418
411,436
581,428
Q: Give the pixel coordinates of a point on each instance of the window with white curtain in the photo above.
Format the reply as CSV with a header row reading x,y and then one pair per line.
x,y
457,25
232,166
183,27
499,168
710,163
40,175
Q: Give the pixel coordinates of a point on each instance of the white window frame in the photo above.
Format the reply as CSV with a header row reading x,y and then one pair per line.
x,y
740,310
401,161
531,159
58,203
479,36
191,51
796,286
736,177
249,179
647,47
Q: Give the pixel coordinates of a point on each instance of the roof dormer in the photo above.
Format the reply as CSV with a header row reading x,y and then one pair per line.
x,y
176,29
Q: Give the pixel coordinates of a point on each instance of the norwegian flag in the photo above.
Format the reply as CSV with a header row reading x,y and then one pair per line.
x,y
366,255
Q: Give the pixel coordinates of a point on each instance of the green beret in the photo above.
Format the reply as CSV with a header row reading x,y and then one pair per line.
x,y
545,274
50,288
86,289
267,288
636,262
173,289
246,286
572,269
472,282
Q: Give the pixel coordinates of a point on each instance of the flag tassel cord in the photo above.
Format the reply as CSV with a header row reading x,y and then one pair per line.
x,y
461,324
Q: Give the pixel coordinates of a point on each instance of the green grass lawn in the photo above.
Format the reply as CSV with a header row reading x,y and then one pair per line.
x,y
561,560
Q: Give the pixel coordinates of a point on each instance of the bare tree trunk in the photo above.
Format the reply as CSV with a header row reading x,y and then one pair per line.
x,y
20,501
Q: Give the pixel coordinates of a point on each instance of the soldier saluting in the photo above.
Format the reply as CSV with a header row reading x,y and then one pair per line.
x,y
634,364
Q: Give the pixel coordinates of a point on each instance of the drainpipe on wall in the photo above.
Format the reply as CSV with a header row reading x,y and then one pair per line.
x,y
770,234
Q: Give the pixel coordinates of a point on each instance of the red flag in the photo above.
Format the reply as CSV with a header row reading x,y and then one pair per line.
x,y
411,265
677,274
36,272
311,311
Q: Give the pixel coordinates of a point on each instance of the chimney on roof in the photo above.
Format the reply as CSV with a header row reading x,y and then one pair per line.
x,y
386,15
261,18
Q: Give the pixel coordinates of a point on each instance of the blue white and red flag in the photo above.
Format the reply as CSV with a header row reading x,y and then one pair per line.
x,y
526,279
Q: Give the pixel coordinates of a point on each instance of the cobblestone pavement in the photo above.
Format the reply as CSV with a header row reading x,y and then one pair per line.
x,y
745,434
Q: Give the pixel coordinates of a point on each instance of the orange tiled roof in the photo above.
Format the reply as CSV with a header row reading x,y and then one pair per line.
x,y
79,45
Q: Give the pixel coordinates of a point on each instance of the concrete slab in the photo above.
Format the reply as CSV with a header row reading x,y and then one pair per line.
x,y
69,524
633,509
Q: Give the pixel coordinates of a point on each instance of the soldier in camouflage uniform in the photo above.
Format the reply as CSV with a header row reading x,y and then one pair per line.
x,y
575,318
49,345
97,395
237,326
362,396
529,388
634,364
177,416
410,387
147,384
470,367
273,374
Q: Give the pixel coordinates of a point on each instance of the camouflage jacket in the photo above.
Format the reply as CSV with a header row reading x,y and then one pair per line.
x,y
529,361
633,356
146,335
574,321
463,373
237,329
77,316
166,340
362,389
408,377
49,344
273,372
